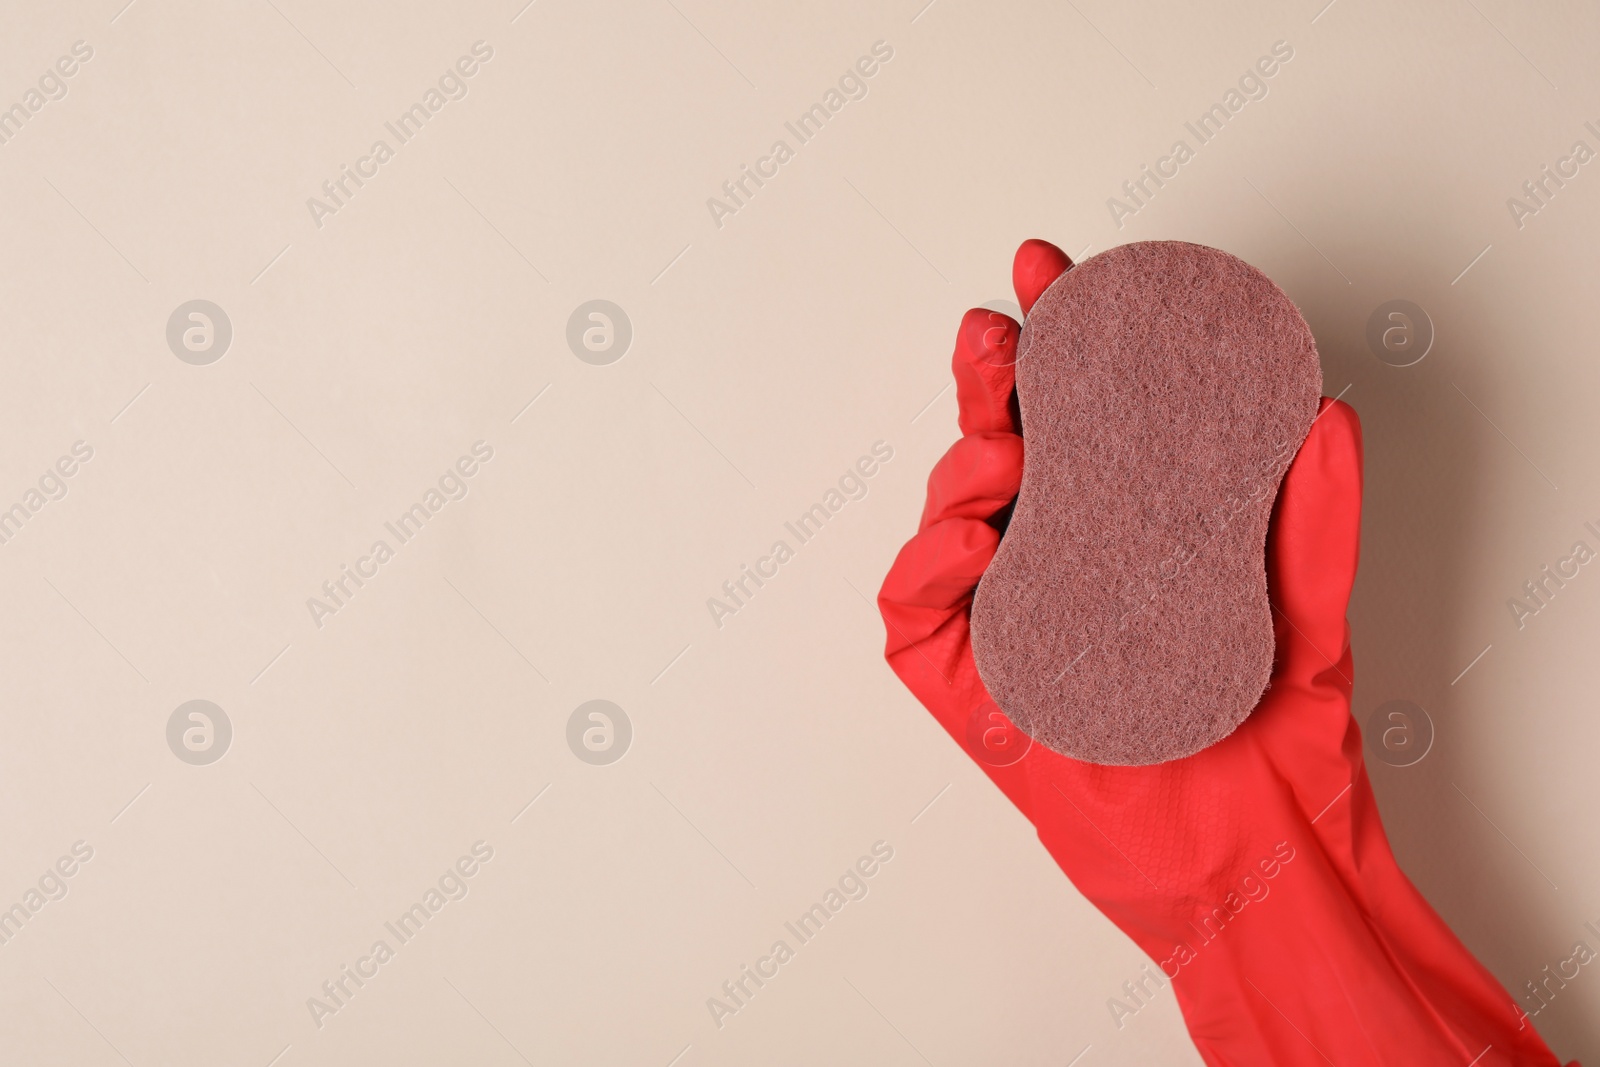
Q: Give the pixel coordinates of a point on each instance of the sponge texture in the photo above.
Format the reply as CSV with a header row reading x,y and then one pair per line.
x,y
1164,389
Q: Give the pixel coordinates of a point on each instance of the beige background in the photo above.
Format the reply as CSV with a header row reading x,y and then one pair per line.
x,y
369,353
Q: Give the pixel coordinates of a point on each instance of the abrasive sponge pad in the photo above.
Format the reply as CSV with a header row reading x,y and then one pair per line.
x,y
1164,389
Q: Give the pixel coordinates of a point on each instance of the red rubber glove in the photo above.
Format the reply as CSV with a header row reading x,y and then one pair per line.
x,y
1256,873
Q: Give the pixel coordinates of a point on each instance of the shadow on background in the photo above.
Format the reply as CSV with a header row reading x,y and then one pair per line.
x,y
1426,491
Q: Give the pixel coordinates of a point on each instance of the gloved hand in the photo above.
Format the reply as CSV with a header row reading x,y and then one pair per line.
x,y
1255,873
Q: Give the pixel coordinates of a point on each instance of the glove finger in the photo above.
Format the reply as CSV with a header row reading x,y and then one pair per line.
x,y
984,366
1314,541
978,476
986,345
934,576
1037,264
924,602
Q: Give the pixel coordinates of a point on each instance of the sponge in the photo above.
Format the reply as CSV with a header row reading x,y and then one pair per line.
x,y
1164,388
